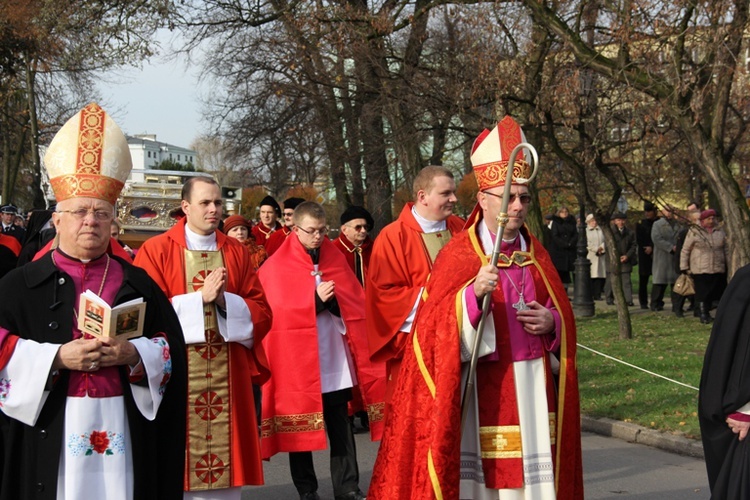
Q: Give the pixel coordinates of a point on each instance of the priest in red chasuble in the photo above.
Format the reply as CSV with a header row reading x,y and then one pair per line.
x,y
401,261
317,351
210,280
522,433
86,416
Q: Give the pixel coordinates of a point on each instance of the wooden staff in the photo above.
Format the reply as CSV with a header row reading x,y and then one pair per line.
x,y
502,221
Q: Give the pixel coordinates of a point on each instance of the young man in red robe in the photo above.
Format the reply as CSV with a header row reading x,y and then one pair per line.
x,y
277,237
269,212
521,438
213,287
402,257
317,350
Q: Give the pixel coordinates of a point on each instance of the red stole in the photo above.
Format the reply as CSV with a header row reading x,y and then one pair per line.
x,y
292,400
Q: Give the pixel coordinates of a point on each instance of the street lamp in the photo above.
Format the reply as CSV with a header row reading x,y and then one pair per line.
x,y
583,302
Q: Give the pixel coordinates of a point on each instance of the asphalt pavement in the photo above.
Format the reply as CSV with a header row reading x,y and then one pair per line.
x,y
620,461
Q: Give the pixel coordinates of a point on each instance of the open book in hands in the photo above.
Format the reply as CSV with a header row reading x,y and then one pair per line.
x,y
99,319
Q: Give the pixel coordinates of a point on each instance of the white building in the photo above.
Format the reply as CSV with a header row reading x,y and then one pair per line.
x,y
147,152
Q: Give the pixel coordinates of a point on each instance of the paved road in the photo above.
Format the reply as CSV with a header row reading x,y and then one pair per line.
x,y
613,469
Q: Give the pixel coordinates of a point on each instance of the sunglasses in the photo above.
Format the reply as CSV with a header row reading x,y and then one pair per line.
x,y
359,227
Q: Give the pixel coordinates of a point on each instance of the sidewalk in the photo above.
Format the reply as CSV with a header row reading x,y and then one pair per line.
x,y
633,433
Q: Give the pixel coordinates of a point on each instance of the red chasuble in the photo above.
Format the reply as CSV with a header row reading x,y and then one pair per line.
x,y
399,267
276,239
163,258
420,453
292,399
11,243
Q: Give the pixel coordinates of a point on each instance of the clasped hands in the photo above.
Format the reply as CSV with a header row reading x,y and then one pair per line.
x,y
214,287
88,355
536,320
325,290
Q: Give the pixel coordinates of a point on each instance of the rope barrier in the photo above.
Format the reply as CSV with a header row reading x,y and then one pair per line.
x,y
636,367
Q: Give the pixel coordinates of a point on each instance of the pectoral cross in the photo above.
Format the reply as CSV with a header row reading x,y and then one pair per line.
x,y
521,304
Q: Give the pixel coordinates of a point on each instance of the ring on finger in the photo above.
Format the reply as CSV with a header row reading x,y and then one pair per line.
x,y
93,366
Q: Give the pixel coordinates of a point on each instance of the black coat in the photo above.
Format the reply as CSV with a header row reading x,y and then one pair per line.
x,y
625,245
564,239
725,387
37,304
643,238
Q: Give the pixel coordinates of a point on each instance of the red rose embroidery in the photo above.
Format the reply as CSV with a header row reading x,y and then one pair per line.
x,y
165,354
99,441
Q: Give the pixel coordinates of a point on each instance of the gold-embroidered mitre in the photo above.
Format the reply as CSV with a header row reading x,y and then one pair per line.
x,y
491,152
88,157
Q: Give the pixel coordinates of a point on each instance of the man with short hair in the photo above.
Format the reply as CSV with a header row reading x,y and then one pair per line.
x,y
277,237
8,214
210,280
664,235
317,349
354,241
85,416
268,212
521,437
402,256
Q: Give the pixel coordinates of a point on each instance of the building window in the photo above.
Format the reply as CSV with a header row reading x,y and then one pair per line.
x,y
149,154
178,157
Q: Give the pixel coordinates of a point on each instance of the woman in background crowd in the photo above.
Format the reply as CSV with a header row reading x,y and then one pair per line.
x,y
704,255
596,255
563,249
236,226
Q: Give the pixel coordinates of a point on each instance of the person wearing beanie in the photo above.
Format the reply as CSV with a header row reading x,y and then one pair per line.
x,y
402,256
278,237
237,227
521,437
210,280
269,212
705,254
356,245
88,416
354,241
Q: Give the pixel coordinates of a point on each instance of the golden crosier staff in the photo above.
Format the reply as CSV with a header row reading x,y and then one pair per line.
x,y
502,221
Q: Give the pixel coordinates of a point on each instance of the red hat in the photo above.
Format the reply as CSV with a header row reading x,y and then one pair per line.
x,y
708,213
491,152
233,221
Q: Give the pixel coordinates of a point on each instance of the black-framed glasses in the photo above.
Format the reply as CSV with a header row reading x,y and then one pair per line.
x,y
359,227
81,213
524,197
314,232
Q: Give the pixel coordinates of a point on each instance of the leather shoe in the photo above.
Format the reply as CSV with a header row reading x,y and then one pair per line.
x,y
352,495
310,495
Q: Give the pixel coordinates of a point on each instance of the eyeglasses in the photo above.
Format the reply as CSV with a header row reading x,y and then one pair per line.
x,y
314,232
525,197
288,214
359,227
81,213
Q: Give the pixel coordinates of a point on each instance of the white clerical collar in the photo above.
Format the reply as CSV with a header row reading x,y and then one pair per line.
x,y
428,226
197,241
486,237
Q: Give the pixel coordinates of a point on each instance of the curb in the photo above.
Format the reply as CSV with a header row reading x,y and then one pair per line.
x,y
633,433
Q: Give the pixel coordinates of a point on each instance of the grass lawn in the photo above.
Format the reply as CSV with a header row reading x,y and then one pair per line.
x,y
661,343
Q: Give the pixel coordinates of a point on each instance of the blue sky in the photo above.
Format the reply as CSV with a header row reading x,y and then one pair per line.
x,y
162,98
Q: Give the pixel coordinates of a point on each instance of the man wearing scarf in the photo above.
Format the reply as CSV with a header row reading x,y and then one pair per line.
x,y
522,434
88,417
317,351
